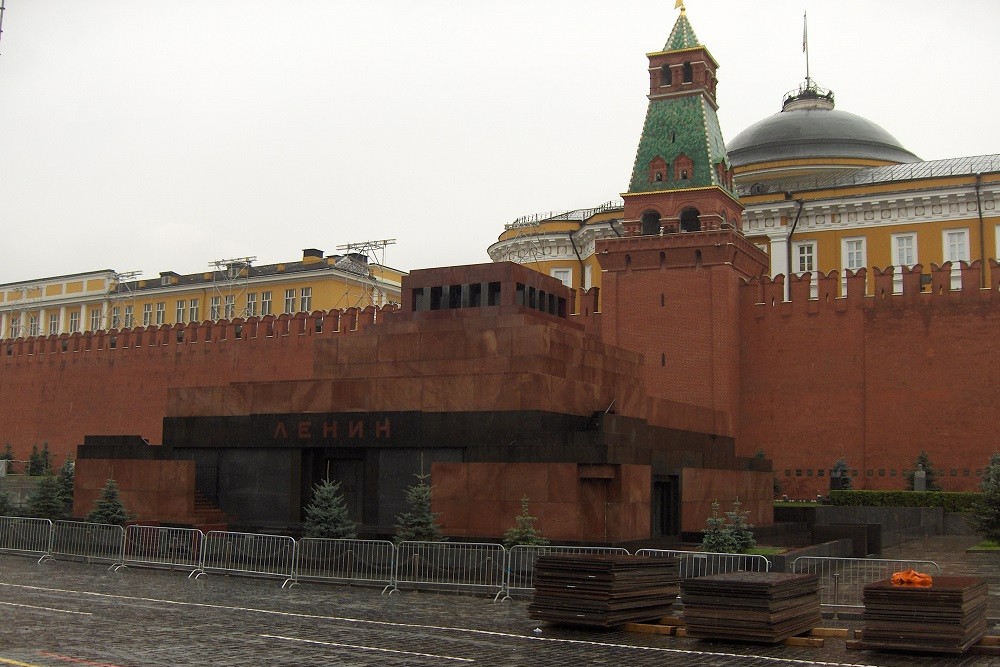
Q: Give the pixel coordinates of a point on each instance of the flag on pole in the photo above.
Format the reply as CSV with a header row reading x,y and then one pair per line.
x,y
805,33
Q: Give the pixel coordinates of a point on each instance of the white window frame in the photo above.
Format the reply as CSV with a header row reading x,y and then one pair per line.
x,y
846,263
180,311
948,250
129,317
53,324
305,299
900,262
95,319
290,300
32,325
161,312
215,308
147,314
563,275
193,311
251,305
801,269
265,303
229,305
74,322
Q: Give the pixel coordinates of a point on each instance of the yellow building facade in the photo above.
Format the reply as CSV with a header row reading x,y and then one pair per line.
x,y
104,299
823,190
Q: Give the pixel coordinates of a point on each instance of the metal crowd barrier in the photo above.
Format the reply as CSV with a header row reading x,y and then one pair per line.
x,y
451,565
842,580
249,554
101,542
701,563
157,546
521,563
347,561
27,537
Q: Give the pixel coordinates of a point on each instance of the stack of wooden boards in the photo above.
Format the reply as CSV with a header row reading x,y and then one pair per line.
x,y
766,607
949,616
603,591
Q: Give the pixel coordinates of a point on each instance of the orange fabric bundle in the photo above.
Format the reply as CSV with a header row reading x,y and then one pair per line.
x,y
911,578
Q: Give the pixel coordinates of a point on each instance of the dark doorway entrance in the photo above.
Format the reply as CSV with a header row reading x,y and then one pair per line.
x,y
666,506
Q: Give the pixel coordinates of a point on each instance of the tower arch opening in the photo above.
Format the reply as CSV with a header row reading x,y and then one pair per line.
x,y
650,223
690,220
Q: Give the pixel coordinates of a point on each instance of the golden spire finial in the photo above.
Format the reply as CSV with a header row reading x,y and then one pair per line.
x,y
680,5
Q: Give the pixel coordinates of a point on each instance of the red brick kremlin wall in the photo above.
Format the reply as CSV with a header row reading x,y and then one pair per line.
x,y
57,389
873,379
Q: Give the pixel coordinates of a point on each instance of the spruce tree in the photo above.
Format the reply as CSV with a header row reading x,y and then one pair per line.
x,y
418,524
718,538
45,459
66,478
108,507
741,529
35,466
524,532
930,474
326,514
985,518
44,502
5,505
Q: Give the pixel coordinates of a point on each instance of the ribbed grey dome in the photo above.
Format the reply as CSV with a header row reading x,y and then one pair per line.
x,y
815,133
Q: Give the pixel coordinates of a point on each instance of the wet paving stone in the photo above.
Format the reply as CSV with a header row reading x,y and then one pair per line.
x,y
64,613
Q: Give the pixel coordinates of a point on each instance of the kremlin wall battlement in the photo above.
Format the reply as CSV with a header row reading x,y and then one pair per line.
x,y
874,379
885,386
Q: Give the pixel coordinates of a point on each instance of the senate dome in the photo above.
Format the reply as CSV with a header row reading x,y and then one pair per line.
x,y
809,140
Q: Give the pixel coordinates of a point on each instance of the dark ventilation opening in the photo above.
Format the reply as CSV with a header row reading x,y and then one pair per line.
x,y
697,258
519,296
454,296
417,300
665,79
688,73
690,220
650,223
436,296
475,295
493,294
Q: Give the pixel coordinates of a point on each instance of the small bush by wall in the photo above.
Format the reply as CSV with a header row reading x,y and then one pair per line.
x,y
951,501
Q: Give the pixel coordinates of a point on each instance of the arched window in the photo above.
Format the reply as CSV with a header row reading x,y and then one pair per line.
x,y
688,73
665,79
690,220
657,169
650,223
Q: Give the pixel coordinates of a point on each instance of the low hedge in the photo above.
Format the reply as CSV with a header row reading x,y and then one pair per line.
x,y
951,501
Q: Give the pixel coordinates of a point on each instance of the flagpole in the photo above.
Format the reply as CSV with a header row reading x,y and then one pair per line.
x,y
805,43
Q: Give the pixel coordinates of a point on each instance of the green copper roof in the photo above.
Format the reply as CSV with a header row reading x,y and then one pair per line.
x,y
682,36
685,125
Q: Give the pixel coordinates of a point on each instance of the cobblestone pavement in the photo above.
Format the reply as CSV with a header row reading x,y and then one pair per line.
x,y
64,613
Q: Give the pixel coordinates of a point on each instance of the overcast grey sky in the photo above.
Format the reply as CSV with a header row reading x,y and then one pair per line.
x,y
162,135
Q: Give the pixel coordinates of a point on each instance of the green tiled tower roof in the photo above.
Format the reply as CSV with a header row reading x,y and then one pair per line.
x,y
682,36
678,124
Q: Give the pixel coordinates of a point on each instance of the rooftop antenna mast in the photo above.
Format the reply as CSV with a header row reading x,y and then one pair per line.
x,y
364,275
2,10
805,45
